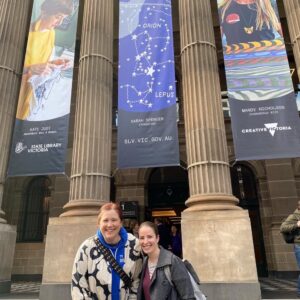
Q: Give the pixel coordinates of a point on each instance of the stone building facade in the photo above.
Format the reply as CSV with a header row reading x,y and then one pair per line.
x,y
230,212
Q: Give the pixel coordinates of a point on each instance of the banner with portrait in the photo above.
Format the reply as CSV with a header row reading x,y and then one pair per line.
x,y
147,110
264,116
40,135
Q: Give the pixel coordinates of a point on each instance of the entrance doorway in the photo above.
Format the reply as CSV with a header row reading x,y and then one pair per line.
x,y
244,188
168,189
34,216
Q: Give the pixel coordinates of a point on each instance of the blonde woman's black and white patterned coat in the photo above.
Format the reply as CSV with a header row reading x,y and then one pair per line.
x,y
91,275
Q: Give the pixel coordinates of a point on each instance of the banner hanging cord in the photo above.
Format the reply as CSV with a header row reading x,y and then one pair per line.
x,y
90,174
198,43
95,55
10,69
207,162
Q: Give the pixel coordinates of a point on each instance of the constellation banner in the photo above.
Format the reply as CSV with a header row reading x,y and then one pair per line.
x,y
264,116
147,111
41,129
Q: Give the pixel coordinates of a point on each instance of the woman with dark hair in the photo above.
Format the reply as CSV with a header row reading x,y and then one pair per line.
x,y
94,276
40,46
155,284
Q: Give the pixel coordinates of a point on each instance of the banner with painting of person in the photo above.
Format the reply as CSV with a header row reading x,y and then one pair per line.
x,y
264,116
147,111
40,135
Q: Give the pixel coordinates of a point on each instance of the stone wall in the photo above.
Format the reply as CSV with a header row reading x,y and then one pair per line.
x,y
278,190
28,259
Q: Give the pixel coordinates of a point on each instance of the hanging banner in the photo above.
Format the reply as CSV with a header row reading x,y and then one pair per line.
x,y
41,129
264,116
147,111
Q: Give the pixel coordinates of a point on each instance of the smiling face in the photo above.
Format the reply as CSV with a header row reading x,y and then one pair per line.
x,y
148,239
110,225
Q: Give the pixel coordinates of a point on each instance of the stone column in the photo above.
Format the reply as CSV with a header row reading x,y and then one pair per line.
x,y
13,29
216,233
91,162
292,11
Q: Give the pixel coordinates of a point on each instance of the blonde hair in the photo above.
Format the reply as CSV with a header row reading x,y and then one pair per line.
x,y
265,13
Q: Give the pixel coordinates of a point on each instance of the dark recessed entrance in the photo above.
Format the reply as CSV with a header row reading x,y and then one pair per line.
x,y
244,188
168,190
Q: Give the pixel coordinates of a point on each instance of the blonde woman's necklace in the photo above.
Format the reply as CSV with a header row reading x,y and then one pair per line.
x,y
247,28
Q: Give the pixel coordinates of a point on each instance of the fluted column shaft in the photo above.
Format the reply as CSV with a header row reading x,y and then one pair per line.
x,y
91,161
14,19
292,9
208,168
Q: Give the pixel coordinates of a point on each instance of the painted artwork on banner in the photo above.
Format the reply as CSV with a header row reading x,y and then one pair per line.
x,y
265,121
147,113
41,128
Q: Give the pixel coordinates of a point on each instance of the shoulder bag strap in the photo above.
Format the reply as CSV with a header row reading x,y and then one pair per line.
x,y
113,263
167,272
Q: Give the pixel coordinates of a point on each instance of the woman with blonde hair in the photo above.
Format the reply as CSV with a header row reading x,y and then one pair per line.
x,y
245,21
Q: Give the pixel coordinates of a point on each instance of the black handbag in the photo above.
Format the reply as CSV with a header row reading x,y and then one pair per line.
x,y
113,263
289,237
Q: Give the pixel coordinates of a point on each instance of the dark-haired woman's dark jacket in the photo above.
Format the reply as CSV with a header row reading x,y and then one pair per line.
x,y
160,287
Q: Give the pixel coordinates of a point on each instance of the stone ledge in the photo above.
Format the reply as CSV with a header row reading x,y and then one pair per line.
x,y
26,277
5,286
55,291
232,291
215,291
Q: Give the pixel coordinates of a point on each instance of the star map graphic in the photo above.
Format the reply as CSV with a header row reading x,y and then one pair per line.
x,y
146,56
